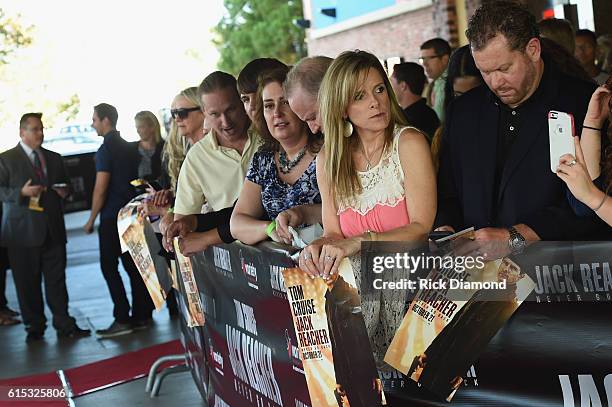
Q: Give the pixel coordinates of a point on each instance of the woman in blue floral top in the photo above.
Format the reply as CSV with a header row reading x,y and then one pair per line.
x,y
281,188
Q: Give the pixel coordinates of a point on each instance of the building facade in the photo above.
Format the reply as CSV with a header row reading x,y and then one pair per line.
x,y
394,29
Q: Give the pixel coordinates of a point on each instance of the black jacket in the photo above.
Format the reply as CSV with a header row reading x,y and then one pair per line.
x,y
156,160
22,227
529,191
423,118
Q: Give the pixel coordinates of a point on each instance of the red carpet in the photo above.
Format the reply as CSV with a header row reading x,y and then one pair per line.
x,y
120,369
99,375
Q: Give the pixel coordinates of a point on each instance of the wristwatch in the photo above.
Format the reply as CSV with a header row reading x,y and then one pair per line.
x,y
516,241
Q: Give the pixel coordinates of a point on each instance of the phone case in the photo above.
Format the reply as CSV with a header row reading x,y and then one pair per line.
x,y
561,136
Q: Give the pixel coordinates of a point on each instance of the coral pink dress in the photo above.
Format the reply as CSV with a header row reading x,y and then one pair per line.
x,y
381,206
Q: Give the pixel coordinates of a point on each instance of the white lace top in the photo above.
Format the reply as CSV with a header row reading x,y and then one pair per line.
x,y
381,185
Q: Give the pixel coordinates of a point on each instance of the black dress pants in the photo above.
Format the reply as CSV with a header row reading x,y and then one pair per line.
x,y
110,252
32,266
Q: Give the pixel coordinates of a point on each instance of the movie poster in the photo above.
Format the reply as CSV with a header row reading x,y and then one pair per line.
x,y
332,339
134,239
195,314
162,269
441,335
126,216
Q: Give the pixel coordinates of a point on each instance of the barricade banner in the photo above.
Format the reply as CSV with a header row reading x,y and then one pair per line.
x,y
555,350
248,331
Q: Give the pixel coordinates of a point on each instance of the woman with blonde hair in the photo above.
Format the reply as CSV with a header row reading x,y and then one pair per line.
x,y
375,175
377,183
186,129
150,145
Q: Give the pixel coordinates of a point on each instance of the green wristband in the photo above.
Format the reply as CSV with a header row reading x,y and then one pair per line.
x,y
170,210
271,228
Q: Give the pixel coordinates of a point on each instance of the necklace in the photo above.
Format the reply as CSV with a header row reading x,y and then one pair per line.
x,y
285,165
369,166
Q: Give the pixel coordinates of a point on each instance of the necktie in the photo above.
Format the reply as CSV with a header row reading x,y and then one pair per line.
x,y
40,172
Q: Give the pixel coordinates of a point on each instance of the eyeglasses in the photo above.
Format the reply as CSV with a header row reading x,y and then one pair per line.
x,y
423,59
183,112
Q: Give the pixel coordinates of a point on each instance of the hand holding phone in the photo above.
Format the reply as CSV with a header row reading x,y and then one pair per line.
x,y
560,136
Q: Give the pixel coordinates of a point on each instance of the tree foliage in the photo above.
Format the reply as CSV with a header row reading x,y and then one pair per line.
x,y
70,108
13,35
259,28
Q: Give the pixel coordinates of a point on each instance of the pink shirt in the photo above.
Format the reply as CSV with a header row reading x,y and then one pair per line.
x,y
382,204
378,219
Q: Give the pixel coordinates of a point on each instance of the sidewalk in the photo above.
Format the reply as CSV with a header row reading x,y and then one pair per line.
x,y
90,304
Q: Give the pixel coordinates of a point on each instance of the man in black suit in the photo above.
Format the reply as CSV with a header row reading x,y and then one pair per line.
x,y
33,229
494,167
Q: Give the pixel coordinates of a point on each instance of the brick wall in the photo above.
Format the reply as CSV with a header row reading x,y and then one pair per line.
x,y
445,21
398,36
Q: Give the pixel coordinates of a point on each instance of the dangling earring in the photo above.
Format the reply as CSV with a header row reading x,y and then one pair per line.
x,y
349,129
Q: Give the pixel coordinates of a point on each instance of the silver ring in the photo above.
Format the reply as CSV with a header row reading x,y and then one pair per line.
x,y
307,256
572,163
328,258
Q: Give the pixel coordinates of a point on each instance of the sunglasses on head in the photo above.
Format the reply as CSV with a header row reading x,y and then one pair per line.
x,y
183,112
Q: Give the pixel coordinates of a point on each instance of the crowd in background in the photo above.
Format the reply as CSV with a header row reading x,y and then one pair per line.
x,y
457,140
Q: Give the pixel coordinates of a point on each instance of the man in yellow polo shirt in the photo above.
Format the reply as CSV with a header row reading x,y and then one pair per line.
x,y
213,172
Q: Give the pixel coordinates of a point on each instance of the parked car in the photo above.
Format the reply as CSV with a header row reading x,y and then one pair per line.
x,y
72,140
77,144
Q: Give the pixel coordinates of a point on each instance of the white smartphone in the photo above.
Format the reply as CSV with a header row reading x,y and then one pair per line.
x,y
561,136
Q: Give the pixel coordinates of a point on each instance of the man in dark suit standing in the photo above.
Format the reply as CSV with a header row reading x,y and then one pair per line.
x,y
495,167
33,182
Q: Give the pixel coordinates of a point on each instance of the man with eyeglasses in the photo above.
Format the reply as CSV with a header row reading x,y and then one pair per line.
x,y
435,54
116,166
33,183
213,172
